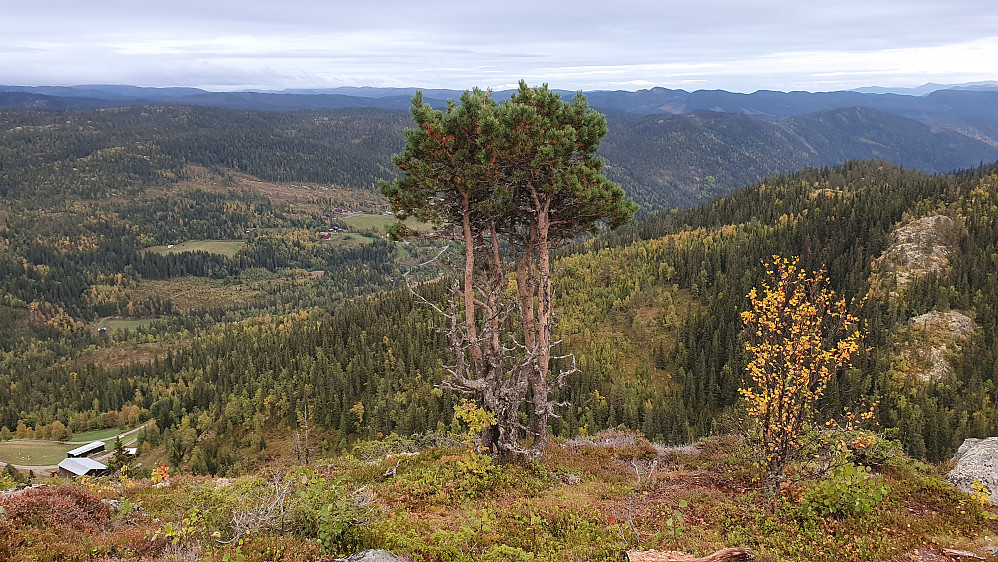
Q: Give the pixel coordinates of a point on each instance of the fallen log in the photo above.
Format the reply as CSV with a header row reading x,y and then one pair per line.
x,y
961,554
723,555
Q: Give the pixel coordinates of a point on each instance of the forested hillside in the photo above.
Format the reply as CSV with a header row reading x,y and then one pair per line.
x,y
651,314
213,266
97,206
662,161
842,219
95,154
685,160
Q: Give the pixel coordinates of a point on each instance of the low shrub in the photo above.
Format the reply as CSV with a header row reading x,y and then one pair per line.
x,y
850,491
333,512
62,507
878,453
503,553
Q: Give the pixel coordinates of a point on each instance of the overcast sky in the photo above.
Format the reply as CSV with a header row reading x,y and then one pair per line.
x,y
738,45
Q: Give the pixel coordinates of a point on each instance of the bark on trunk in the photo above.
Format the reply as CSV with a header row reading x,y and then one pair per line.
x,y
541,350
469,287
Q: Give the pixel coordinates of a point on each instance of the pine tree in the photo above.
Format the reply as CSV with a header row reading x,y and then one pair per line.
x,y
510,182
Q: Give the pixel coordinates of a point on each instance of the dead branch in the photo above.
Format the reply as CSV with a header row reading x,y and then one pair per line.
x,y
264,510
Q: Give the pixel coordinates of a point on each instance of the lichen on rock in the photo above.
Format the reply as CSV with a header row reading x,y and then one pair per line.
x,y
977,462
927,341
918,248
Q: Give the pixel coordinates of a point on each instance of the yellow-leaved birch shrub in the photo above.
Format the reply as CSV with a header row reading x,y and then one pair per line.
x,y
799,336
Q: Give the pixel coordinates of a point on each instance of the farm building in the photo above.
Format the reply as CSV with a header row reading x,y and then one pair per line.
x,y
73,467
86,450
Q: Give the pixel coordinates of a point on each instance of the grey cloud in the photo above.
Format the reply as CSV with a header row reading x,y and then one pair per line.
x,y
299,43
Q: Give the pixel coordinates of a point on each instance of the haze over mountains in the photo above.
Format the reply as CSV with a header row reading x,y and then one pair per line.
x,y
667,147
929,100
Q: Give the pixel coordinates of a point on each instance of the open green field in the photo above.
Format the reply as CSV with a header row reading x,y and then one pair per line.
x,y
30,452
379,222
112,323
223,247
348,239
366,221
97,435
33,453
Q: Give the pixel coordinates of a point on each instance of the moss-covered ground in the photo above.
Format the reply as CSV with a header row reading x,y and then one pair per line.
x,y
587,500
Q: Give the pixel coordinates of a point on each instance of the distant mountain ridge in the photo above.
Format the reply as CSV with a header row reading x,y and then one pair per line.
x,y
926,88
18,98
976,100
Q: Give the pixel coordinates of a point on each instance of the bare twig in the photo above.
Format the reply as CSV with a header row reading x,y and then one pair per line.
x,y
264,510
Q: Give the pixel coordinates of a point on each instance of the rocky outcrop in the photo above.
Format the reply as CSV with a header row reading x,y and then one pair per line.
x,y
967,445
925,344
928,339
919,247
977,460
952,324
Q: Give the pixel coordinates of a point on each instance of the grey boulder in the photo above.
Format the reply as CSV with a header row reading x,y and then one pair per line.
x,y
977,459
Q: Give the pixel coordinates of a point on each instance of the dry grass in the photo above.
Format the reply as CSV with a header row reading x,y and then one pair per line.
x,y
227,248
201,178
348,239
197,293
366,221
727,554
97,435
129,354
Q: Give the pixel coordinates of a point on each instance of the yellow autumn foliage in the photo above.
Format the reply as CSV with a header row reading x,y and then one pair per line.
x,y
800,335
